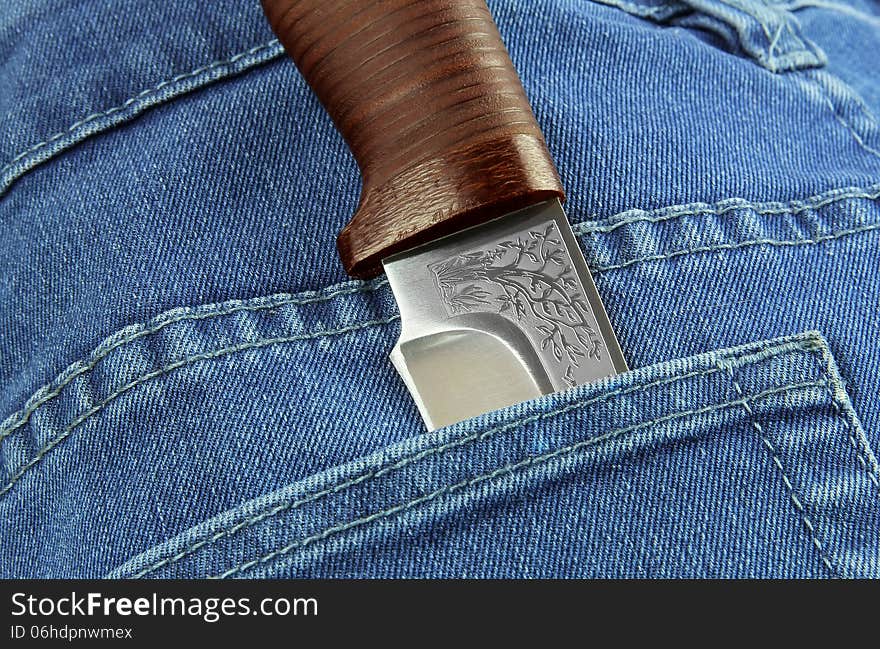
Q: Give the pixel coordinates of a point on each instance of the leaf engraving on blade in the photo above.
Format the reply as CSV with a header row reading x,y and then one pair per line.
x,y
528,280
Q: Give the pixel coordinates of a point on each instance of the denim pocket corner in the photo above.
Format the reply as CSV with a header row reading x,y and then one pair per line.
x,y
741,462
768,33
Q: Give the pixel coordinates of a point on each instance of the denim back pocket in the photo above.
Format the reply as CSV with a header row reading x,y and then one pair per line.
x,y
741,462
767,32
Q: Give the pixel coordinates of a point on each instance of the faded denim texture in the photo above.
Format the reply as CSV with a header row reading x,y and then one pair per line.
x,y
190,386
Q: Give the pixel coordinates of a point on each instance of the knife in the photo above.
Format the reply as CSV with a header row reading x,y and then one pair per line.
x,y
460,202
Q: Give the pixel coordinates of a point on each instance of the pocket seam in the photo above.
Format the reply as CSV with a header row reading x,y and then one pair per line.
x,y
166,369
843,407
406,461
778,26
862,448
526,463
792,495
806,342
129,334
20,418
810,204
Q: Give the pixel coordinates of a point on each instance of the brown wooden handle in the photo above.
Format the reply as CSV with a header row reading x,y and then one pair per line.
x,y
425,95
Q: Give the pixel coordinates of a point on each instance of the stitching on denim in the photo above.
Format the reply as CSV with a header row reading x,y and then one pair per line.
x,y
839,401
841,119
506,469
772,39
678,253
32,405
464,441
838,397
141,95
256,344
732,205
806,51
292,505
742,244
41,396
403,462
832,6
635,9
596,270
871,471
78,368
753,420
775,40
773,43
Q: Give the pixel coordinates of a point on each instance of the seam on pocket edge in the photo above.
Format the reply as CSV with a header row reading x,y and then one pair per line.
x,y
840,234
78,367
842,404
807,341
52,389
189,360
507,469
129,334
406,461
792,494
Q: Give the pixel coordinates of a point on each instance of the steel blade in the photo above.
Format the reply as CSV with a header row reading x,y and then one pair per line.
x,y
498,314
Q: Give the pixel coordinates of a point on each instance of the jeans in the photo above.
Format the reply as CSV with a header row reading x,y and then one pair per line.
x,y
191,387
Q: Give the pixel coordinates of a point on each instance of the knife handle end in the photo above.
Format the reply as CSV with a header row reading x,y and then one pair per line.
x,y
427,99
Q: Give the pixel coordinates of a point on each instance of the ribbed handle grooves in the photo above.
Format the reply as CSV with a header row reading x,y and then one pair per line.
x,y
425,95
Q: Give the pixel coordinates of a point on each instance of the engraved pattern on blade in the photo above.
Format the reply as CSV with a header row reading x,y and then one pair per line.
x,y
528,279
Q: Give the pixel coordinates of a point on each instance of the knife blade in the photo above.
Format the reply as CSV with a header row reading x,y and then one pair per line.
x,y
460,203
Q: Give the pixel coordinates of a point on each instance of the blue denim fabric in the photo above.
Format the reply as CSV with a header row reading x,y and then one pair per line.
x,y
191,387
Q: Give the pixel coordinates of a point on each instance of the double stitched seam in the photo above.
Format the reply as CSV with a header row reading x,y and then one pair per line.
x,y
861,449
872,472
77,369
259,49
174,366
40,397
792,493
772,39
719,209
849,127
477,436
503,471
742,244
40,400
